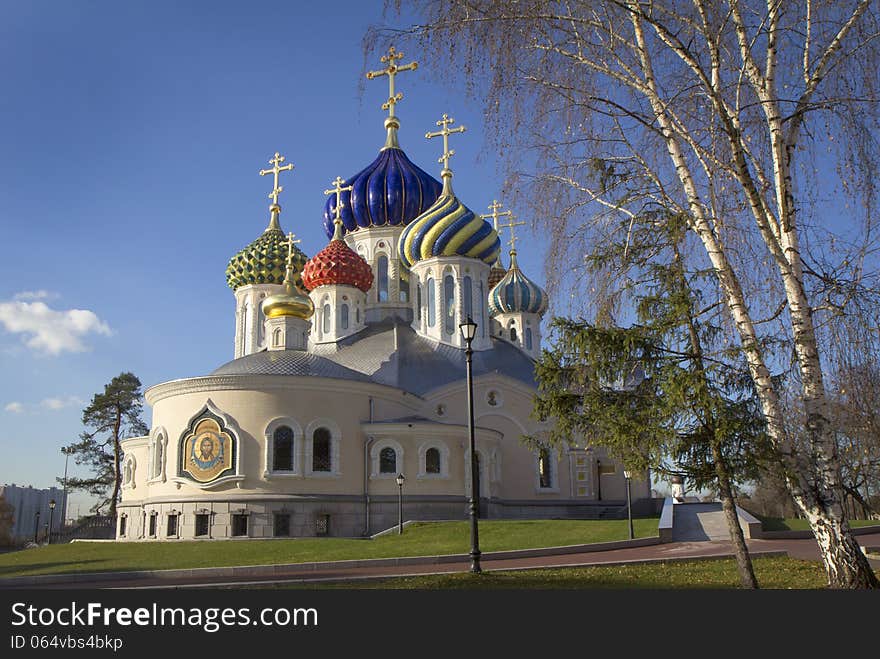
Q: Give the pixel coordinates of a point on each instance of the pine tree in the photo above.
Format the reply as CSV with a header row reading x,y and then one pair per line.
x,y
653,393
109,418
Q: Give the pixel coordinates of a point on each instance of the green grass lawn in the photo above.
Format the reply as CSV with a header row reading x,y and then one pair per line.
x,y
796,524
422,539
772,573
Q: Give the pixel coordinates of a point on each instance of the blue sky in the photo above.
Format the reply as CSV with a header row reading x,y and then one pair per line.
x,y
131,136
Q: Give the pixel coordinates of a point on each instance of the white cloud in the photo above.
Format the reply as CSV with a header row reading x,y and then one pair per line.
x,y
15,408
60,403
49,331
41,294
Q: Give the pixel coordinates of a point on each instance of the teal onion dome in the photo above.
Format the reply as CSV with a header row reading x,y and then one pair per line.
x,y
448,228
516,293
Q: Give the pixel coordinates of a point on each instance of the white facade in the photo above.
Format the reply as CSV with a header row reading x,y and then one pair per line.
x,y
340,311
249,319
449,289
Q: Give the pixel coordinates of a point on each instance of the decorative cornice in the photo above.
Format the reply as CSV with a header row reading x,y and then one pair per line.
x,y
427,429
290,382
485,378
135,442
233,478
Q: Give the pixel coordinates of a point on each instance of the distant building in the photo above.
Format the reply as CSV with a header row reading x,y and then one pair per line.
x,y
26,502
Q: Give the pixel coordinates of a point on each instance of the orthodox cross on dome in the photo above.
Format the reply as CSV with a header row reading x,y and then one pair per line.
x,y
338,190
276,170
291,241
337,209
274,208
391,70
510,225
494,207
445,132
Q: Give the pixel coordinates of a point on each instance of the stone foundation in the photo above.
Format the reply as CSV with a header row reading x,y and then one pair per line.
x,y
343,516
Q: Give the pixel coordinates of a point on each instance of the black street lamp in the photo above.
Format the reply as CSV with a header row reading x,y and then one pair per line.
x,y
400,479
51,515
627,474
36,526
468,331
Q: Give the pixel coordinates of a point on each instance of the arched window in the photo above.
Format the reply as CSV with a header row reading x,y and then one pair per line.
x,y
160,457
512,333
432,302
276,337
481,300
528,338
157,464
467,294
432,461
282,451
545,476
325,319
388,461
382,286
343,317
357,315
419,304
249,329
321,460
403,283
449,304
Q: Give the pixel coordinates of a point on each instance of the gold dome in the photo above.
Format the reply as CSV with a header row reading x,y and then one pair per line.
x,y
289,303
292,302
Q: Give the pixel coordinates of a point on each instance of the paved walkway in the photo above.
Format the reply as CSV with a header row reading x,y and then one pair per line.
x,y
803,549
694,522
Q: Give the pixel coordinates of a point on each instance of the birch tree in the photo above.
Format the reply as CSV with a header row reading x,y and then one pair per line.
x,y
731,113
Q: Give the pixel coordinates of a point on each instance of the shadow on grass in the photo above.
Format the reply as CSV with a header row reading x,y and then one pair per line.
x,y
19,569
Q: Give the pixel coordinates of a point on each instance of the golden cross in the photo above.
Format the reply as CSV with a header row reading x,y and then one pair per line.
x,y
494,206
276,169
510,224
290,243
445,132
392,70
338,190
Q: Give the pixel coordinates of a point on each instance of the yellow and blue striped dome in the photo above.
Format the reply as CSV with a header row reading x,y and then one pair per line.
x,y
448,228
516,293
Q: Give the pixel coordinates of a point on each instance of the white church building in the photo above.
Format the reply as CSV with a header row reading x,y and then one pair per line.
x,y
349,369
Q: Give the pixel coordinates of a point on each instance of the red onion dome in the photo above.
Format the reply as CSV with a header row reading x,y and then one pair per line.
x,y
337,263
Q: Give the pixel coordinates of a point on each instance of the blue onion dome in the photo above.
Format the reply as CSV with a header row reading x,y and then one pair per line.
x,y
390,191
448,228
264,261
516,293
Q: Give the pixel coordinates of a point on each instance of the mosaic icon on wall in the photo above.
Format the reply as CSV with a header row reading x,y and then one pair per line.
x,y
207,448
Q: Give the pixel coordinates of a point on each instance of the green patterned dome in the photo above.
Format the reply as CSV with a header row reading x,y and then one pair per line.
x,y
264,261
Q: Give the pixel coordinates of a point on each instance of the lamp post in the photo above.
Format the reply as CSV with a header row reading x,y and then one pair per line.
x,y
468,331
627,474
64,509
400,479
36,526
51,515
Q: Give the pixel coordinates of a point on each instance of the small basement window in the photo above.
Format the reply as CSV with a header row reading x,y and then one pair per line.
x,y
239,525
202,524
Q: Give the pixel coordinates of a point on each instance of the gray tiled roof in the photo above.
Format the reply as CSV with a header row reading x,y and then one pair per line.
x,y
389,353
288,362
